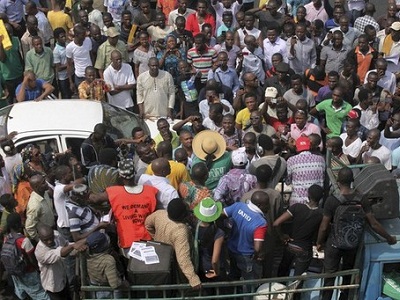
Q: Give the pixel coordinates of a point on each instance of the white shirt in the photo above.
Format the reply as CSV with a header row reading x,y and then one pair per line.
x,y
5,182
383,153
122,76
10,162
80,56
96,17
44,26
166,192
253,62
174,14
156,93
204,108
369,119
59,204
387,82
279,46
353,149
220,9
243,32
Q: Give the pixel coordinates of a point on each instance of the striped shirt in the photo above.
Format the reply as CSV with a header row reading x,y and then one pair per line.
x,y
202,61
81,218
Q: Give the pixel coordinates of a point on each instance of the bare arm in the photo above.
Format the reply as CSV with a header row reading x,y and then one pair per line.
x,y
323,231
77,236
48,89
379,229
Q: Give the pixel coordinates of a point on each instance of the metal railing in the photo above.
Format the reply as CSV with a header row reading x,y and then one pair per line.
x,y
233,289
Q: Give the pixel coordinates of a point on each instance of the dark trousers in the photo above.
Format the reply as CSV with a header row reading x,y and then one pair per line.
x,y
11,86
78,81
63,86
331,265
62,295
301,259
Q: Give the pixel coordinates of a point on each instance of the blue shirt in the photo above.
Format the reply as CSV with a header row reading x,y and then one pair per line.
x,y
32,94
13,9
228,78
245,222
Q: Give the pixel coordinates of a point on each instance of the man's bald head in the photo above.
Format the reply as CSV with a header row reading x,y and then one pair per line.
x,y
161,167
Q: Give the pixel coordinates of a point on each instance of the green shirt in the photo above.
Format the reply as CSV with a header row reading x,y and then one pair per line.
x,y
103,59
41,64
12,67
174,141
334,117
218,169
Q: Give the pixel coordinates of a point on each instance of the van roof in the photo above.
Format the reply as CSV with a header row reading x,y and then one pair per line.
x,y
71,115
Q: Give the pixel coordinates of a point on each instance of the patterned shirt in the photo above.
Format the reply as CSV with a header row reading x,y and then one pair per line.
x,y
97,91
361,22
304,170
233,140
193,193
233,185
102,176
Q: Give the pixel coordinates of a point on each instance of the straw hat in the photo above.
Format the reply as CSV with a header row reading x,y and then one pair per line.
x,y
208,210
208,142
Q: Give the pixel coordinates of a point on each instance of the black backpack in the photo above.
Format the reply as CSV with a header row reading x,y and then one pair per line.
x,y
348,223
12,258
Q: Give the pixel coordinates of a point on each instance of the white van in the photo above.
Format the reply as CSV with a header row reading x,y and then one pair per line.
x,y
56,125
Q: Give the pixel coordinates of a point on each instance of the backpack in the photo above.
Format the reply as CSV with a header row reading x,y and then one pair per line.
x,y
12,257
348,223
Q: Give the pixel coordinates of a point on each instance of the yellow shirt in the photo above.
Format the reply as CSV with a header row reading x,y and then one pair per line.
x,y
243,118
178,174
262,3
59,19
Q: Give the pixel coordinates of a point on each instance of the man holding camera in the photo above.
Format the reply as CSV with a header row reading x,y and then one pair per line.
x,y
223,74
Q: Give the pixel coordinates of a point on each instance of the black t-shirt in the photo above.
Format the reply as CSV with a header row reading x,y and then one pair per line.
x,y
306,223
332,203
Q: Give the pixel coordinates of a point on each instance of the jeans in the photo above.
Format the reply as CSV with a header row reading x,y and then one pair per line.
x,y
301,259
29,284
78,81
70,260
331,265
244,267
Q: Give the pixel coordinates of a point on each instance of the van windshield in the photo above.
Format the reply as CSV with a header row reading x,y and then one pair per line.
x,y
120,122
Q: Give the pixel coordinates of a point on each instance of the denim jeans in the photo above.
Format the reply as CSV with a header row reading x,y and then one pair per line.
x,y
244,267
301,259
29,284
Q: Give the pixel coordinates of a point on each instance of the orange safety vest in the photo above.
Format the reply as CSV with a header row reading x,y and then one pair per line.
x,y
130,211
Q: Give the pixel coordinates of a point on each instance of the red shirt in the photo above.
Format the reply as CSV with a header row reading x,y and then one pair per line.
x,y
278,124
192,23
130,211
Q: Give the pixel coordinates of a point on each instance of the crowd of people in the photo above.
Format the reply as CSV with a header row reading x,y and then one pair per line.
x,y
261,90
